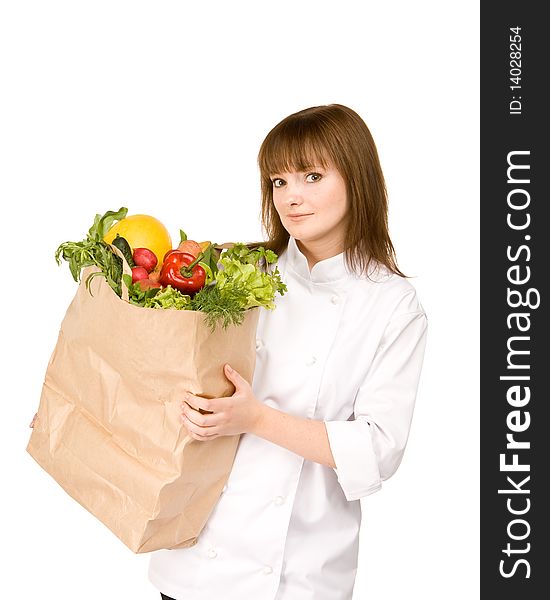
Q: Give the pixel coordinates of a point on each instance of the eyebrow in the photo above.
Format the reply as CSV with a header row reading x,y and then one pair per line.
x,y
310,168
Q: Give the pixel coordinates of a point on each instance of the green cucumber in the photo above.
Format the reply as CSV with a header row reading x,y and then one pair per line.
x,y
122,244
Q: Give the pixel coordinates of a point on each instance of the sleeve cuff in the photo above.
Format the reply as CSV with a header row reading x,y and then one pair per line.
x,y
356,463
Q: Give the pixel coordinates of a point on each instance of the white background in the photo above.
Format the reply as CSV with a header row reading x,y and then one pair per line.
x,y
161,107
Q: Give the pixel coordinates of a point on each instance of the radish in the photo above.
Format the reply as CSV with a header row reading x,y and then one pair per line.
x,y
143,257
139,273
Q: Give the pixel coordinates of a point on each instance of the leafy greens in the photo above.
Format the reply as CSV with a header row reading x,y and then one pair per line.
x,y
94,251
239,278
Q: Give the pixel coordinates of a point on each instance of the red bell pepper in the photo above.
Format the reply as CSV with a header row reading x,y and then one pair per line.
x,y
182,271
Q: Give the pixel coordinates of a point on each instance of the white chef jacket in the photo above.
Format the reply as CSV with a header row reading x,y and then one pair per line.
x,y
341,348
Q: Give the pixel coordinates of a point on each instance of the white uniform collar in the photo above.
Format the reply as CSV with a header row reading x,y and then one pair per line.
x,y
331,269
325,271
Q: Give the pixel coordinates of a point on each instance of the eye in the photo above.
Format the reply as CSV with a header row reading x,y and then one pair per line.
x,y
278,182
313,177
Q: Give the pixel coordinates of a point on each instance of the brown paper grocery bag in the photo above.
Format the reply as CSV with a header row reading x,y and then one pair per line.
x,y
108,428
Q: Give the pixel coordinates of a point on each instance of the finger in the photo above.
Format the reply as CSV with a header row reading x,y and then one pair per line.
x,y
197,402
196,431
200,419
202,438
195,436
235,378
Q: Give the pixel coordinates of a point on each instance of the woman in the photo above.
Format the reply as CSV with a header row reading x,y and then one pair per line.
x,y
327,416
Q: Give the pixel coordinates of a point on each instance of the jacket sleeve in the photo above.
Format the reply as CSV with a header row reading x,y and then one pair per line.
x,y
368,448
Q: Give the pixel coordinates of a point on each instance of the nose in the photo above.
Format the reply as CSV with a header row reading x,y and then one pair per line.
x,y
294,201
293,195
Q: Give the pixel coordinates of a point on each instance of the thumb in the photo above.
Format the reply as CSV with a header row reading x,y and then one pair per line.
x,y
236,378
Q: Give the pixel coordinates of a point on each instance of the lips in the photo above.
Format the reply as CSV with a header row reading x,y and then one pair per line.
x,y
299,215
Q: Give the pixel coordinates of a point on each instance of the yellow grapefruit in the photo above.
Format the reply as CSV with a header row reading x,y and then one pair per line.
x,y
143,231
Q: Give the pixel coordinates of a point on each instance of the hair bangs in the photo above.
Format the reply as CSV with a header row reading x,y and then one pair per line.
x,y
294,146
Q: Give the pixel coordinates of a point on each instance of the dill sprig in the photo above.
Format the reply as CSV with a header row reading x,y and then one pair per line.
x,y
223,306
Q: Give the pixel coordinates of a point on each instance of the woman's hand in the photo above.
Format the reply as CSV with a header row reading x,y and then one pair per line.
x,y
232,415
244,413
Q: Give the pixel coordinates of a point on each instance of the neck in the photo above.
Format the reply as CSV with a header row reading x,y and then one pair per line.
x,y
316,251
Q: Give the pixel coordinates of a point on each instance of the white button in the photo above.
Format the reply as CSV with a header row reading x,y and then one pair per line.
x,y
212,553
279,500
311,361
267,570
335,299
258,344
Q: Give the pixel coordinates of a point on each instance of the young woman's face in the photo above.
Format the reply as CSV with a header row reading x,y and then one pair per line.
x,y
312,204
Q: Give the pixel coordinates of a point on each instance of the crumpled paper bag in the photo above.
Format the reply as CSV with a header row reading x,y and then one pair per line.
x,y
108,428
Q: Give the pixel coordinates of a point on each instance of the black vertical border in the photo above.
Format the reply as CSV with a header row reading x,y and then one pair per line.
x,y
502,133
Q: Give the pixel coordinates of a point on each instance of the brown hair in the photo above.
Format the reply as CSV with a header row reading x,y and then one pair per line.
x,y
335,134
